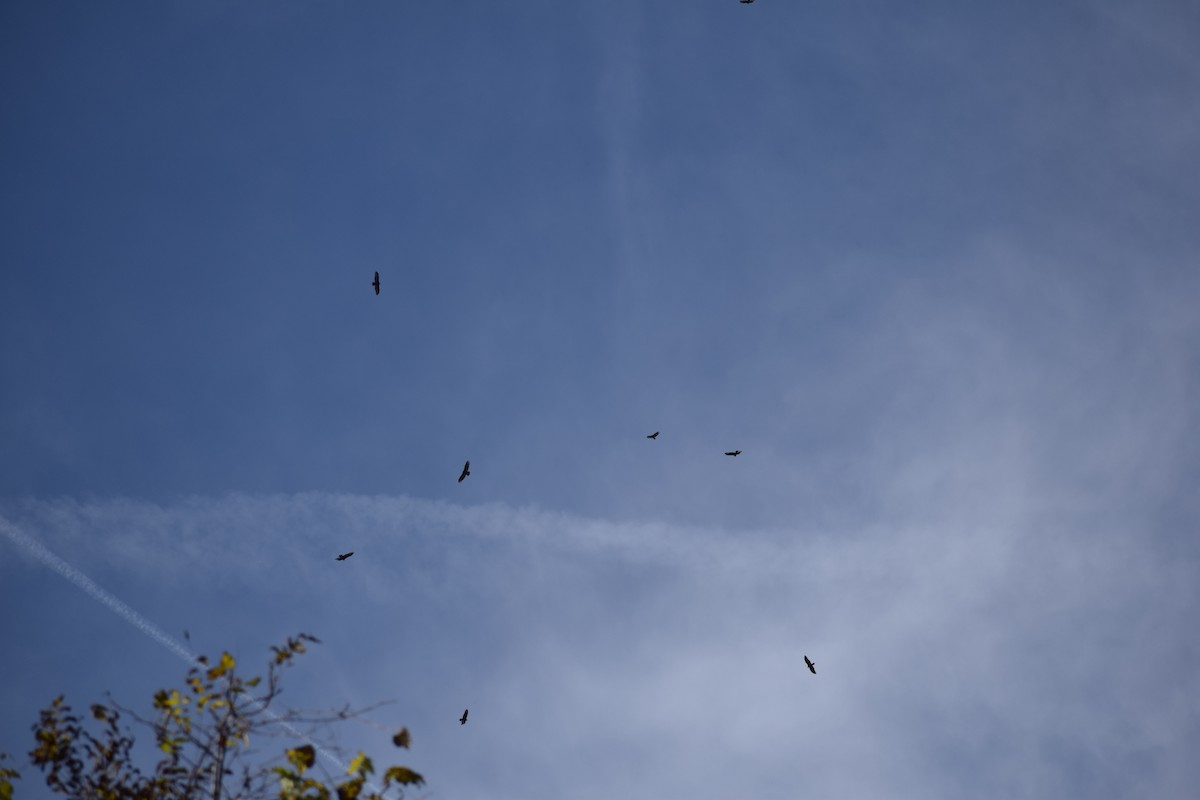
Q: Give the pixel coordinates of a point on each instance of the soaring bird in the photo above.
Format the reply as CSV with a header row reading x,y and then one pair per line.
x,y
811,666
466,471
375,283
653,435
732,452
746,2
344,556
463,719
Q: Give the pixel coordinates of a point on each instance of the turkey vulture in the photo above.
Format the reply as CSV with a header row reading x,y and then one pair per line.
x,y
653,435
466,471
811,666
344,556
375,283
463,719
732,452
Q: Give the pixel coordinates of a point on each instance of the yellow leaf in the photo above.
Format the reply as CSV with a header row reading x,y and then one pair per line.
x,y
361,765
227,663
165,700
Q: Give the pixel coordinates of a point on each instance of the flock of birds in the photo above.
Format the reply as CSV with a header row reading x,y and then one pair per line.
x,y
466,471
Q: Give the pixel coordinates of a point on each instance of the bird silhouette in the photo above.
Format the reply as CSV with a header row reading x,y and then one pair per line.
x,y
745,2
375,283
811,666
732,452
463,719
466,471
653,435
344,556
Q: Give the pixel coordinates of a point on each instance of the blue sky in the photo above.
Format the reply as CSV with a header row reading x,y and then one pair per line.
x,y
932,267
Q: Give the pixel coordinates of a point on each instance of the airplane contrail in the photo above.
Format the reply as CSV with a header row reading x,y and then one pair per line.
x,y
98,593
94,590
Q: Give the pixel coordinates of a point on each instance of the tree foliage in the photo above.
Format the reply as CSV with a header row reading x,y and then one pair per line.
x,y
6,787
206,732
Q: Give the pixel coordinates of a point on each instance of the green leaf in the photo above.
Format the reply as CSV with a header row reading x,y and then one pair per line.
x,y
287,783
302,757
402,775
5,790
403,738
350,790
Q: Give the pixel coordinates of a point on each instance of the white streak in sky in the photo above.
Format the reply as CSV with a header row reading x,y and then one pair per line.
x,y
93,590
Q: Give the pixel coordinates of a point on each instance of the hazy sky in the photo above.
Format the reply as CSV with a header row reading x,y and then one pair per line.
x,y
933,267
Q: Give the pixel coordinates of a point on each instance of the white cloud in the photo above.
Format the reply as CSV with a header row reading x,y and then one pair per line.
x,y
650,660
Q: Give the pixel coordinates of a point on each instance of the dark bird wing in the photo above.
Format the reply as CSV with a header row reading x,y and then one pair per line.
x,y
463,719
375,283
653,435
344,556
811,666
466,471
732,452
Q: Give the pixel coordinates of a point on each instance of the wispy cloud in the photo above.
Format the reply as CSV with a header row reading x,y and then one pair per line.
x,y
1036,652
